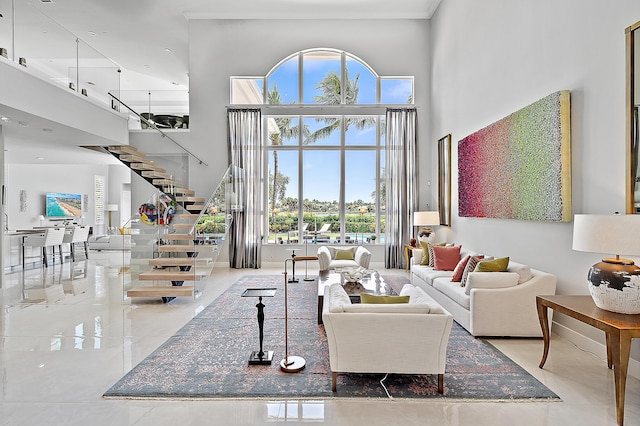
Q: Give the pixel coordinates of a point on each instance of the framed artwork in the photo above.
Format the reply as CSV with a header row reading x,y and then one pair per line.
x,y
520,166
444,180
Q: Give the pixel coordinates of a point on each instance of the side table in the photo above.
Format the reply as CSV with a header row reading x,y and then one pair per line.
x,y
408,254
260,357
619,330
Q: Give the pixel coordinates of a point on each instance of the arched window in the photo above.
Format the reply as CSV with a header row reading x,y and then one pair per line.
x,y
324,140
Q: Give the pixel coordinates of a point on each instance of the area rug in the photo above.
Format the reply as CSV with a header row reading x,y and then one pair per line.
x,y
208,357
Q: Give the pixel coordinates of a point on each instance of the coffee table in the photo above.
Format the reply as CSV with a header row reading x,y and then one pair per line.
x,y
372,283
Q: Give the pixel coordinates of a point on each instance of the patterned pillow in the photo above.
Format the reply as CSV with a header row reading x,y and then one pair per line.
x,y
470,267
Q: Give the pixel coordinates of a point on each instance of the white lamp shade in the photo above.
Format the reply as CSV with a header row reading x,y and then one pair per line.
x,y
607,234
426,218
111,207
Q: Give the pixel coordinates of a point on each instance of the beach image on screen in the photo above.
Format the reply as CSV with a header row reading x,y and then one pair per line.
x,y
64,205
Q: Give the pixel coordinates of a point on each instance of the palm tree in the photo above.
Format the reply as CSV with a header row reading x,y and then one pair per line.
x,y
332,95
285,131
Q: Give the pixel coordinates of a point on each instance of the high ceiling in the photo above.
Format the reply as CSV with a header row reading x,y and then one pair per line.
x,y
138,35
148,39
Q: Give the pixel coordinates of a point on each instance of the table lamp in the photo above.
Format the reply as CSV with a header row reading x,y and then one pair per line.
x,y
425,220
614,283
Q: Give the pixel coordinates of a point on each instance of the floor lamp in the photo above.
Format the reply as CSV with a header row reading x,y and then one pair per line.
x,y
111,208
291,364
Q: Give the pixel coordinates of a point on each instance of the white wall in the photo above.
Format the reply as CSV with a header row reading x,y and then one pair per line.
x,y
494,57
220,49
38,179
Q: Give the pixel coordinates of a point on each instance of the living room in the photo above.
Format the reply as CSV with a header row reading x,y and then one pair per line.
x,y
473,63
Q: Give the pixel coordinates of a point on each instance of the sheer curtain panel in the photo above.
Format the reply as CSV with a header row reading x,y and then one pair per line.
x,y
244,135
400,180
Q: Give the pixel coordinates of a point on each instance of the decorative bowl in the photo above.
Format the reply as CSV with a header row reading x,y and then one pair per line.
x,y
354,274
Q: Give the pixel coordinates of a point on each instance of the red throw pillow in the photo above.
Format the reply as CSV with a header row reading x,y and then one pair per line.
x,y
459,269
445,258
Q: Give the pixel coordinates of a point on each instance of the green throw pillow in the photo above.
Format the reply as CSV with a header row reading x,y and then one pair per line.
x,y
344,255
372,298
495,265
425,253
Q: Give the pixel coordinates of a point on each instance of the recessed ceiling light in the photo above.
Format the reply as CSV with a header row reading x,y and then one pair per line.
x,y
23,123
46,1
5,119
92,33
46,129
91,83
39,158
166,49
174,83
147,66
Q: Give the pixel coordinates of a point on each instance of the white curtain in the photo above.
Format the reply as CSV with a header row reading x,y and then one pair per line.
x,y
244,135
400,181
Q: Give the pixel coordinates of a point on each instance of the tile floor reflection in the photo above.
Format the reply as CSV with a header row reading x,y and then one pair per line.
x,y
67,334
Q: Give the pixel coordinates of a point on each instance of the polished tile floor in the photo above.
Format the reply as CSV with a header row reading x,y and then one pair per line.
x,y
67,334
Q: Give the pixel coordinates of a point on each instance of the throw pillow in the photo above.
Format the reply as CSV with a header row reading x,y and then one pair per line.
x,y
495,265
445,258
430,250
524,271
425,253
373,298
471,266
459,269
344,255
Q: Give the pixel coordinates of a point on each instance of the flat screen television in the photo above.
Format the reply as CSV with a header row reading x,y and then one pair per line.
x,y
63,205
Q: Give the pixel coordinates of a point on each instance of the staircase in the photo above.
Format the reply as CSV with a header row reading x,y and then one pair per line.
x,y
182,255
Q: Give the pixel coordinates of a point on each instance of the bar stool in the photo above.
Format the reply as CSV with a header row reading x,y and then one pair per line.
x,y
78,234
51,238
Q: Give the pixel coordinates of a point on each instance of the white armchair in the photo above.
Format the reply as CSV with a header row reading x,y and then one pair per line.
x,y
404,338
360,256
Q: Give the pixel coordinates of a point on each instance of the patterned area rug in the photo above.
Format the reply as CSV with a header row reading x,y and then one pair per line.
x,y
208,357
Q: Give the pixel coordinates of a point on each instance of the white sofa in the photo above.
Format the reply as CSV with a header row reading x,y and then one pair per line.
x,y
404,338
327,257
495,303
110,242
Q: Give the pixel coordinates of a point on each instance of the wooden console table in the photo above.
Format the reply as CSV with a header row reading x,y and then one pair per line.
x,y
619,330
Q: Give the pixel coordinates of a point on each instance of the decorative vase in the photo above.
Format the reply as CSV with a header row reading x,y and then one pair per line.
x,y
615,287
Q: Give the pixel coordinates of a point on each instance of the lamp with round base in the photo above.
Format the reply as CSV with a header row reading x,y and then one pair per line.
x,y
291,364
614,283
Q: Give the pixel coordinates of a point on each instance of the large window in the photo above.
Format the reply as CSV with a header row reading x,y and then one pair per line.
x,y
324,144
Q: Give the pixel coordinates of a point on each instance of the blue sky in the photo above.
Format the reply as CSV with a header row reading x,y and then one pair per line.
x,y
322,168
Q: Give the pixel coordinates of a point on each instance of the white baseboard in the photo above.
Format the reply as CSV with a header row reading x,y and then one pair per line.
x,y
586,344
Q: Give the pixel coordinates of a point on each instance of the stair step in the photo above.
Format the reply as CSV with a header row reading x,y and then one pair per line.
x,y
161,275
188,216
165,262
161,291
151,174
163,182
123,149
135,158
186,248
184,191
145,166
191,199
182,225
194,207
178,261
180,237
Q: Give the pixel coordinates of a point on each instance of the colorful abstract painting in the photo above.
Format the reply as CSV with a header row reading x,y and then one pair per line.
x,y
520,166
